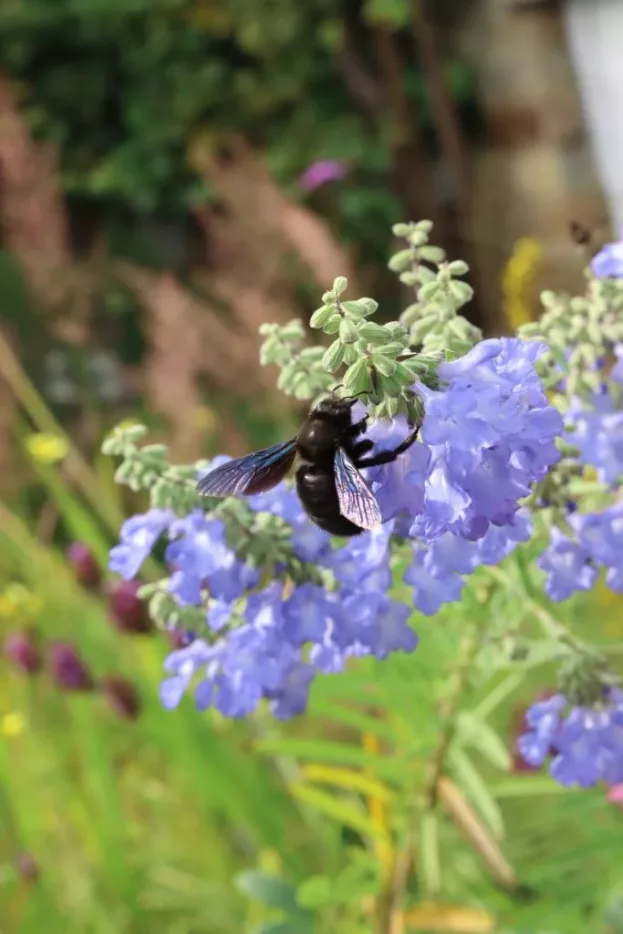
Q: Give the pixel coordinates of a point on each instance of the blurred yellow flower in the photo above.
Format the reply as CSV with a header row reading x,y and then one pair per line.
x,y
12,724
46,448
17,600
203,417
517,278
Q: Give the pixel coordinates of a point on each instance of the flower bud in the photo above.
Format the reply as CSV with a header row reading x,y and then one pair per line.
x,y
122,696
82,562
180,638
128,612
22,652
27,867
68,670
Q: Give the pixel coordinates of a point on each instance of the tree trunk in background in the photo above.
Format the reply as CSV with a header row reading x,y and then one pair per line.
x,y
534,172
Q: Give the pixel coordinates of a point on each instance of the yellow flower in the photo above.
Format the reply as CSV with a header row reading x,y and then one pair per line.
x,y
46,448
203,417
17,600
517,278
12,724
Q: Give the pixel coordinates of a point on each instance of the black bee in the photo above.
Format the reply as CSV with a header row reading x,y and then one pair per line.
x,y
332,491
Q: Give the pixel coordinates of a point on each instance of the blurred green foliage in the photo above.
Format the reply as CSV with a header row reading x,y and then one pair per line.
x,y
123,88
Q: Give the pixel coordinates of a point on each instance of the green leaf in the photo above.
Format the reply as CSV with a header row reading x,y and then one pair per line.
x,y
430,859
395,769
292,926
314,892
473,785
340,810
528,786
270,890
477,733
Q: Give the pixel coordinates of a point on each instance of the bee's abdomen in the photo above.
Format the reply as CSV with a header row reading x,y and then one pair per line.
x,y
318,496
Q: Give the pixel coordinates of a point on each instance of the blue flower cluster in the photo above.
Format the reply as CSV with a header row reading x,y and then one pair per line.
x,y
596,427
586,743
488,434
573,564
608,263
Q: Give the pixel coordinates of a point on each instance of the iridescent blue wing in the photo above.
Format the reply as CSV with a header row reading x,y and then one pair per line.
x,y
253,473
357,501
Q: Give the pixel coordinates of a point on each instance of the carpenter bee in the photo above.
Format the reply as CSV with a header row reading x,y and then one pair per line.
x,y
331,452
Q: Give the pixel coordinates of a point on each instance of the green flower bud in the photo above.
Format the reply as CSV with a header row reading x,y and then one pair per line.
x,y
360,308
332,325
321,316
348,331
373,333
401,230
333,357
385,365
340,285
458,267
409,278
432,254
357,377
461,291
401,261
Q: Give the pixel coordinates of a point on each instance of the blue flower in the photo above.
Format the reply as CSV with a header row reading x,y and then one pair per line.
x,y
573,564
567,565
433,587
138,537
586,744
488,434
183,664
597,432
437,568
608,263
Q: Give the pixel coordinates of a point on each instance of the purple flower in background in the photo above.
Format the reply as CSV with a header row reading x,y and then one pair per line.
x,y
586,743
82,562
22,652
127,611
68,669
321,172
608,263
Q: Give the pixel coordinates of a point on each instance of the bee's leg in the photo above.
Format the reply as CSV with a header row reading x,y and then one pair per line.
x,y
387,457
360,447
358,428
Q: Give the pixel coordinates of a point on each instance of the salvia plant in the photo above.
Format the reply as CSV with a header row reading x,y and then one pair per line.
x,y
516,471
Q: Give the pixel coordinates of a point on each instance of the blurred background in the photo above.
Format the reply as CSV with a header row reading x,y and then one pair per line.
x,y
173,173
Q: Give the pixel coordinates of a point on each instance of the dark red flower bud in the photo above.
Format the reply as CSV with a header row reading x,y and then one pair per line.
x,y
128,612
21,650
122,696
27,867
82,561
180,638
68,669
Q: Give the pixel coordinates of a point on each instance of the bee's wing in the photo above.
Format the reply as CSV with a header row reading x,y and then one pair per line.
x,y
253,473
357,501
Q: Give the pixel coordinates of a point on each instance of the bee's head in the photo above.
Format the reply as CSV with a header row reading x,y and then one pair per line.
x,y
335,408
